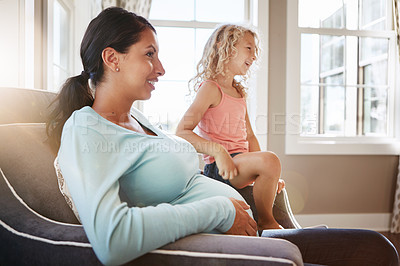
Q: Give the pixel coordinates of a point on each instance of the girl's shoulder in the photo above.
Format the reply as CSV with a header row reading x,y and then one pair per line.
x,y
210,83
211,92
211,87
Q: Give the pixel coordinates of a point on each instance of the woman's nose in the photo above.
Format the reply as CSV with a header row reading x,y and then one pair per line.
x,y
159,68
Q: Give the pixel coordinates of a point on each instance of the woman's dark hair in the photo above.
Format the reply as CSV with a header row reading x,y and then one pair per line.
x,y
114,27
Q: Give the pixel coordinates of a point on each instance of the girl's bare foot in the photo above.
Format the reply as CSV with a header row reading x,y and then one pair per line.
x,y
269,225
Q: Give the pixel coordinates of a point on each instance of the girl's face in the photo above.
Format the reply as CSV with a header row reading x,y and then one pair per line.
x,y
243,58
141,67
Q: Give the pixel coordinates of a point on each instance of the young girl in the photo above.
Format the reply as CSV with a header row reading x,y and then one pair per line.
x,y
231,150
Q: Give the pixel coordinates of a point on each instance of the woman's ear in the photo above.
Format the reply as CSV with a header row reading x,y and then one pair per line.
x,y
110,58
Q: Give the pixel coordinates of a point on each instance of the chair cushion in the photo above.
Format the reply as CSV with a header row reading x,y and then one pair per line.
x,y
27,161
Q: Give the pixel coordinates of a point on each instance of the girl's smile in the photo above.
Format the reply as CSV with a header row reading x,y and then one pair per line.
x,y
244,55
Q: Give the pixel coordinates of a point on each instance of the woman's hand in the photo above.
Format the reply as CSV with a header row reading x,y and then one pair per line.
x,y
281,185
226,167
243,224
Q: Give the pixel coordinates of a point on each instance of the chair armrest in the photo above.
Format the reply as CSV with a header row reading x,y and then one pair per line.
x,y
282,210
27,236
210,249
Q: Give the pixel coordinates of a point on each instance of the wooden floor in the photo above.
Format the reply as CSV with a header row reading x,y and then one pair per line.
x,y
394,238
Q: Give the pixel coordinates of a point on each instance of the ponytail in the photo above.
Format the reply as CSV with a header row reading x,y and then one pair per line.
x,y
74,94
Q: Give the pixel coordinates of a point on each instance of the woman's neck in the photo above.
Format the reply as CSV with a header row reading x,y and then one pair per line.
x,y
111,106
114,106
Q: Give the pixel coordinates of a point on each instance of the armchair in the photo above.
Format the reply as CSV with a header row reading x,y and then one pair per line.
x,y
38,227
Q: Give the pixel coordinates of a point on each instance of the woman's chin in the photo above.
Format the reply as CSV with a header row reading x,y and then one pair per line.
x,y
146,97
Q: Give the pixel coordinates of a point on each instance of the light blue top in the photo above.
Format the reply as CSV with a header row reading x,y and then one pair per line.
x,y
163,196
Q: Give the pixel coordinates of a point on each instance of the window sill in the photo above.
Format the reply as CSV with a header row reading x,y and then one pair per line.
x,y
302,145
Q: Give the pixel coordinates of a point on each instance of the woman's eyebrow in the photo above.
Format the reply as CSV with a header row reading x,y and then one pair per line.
x,y
152,46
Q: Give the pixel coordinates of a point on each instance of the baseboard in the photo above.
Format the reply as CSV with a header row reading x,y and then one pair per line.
x,y
373,221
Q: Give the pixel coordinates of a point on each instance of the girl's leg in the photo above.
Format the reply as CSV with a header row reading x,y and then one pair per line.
x,y
340,246
264,169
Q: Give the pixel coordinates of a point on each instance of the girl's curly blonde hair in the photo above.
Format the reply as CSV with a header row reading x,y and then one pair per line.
x,y
218,50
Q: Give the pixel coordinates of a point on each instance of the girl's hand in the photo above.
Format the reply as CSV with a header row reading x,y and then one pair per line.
x,y
281,185
243,224
226,167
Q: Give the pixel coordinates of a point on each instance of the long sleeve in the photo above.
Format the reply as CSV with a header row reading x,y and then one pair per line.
x,y
119,233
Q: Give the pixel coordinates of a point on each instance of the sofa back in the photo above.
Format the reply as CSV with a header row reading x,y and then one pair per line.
x,y
25,157
18,105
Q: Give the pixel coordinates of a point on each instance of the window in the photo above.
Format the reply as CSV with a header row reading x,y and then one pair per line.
x,y
183,26
60,43
341,77
182,33
16,26
39,43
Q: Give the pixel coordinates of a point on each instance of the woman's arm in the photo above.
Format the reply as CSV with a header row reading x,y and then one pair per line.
x,y
117,232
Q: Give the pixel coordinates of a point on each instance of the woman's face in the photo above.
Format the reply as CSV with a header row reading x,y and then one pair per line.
x,y
141,67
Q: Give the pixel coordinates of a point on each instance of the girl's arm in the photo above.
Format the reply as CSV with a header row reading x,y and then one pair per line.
x,y
207,96
251,137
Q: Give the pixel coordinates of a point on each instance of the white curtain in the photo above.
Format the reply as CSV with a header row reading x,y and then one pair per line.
x,y
140,7
395,225
396,22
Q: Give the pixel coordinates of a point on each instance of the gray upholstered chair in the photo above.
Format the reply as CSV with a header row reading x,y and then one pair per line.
x,y
38,228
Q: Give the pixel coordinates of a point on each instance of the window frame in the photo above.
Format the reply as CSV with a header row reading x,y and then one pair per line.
x,y
322,144
68,5
256,12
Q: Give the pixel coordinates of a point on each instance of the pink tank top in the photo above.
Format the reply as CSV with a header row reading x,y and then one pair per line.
x,y
225,124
